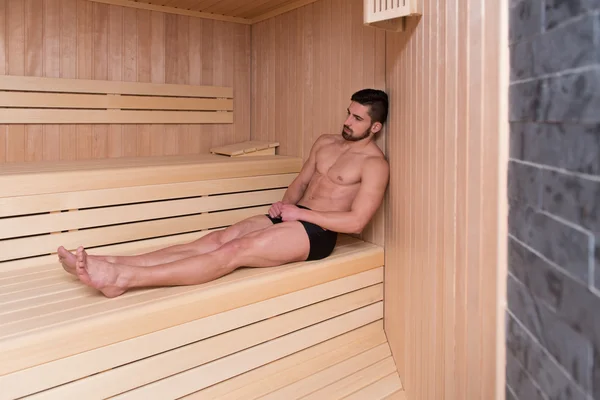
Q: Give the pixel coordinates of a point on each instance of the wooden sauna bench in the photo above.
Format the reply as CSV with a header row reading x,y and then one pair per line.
x,y
282,332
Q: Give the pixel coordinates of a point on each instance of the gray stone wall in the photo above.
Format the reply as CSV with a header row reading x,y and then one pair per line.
x,y
553,316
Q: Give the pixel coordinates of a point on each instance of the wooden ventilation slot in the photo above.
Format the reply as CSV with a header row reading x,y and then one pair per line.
x,y
388,14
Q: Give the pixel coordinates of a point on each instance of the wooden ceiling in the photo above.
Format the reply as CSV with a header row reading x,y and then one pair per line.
x,y
241,11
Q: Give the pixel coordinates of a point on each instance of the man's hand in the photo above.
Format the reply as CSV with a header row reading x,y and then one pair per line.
x,y
290,212
275,210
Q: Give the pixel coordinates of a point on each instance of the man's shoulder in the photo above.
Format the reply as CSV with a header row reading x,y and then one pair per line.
x,y
322,141
377,161
375,155
326,138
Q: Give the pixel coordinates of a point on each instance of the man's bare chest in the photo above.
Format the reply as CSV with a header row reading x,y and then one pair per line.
x,y
339,169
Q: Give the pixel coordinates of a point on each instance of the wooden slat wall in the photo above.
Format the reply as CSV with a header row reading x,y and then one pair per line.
x,y
306,65
445,249
87,40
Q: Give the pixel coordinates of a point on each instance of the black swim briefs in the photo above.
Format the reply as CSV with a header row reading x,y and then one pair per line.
x,y
322,241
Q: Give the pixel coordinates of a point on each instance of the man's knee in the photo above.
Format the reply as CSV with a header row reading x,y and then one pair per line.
x,y
220,237
239,245
230,253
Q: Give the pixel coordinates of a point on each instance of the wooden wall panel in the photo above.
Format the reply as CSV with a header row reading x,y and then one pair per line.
x,y
89,40
306,65
447,81
3,51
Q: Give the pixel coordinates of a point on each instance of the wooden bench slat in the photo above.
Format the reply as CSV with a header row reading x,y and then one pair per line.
x,y
11,291
46,223
86,299
55,297
62,300
114,164
172,306
161,163
294,367
397,395
62,116
278,374
378,390
206,375
35,292
139,299
45,263
356,381
96,101
38,245
20,205
83,176
63,85
26,278
332,374
152,369
121,353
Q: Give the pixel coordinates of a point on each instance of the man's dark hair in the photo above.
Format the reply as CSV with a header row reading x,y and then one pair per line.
x,y
377,100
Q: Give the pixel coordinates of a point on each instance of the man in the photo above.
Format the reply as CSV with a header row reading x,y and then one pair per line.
x,y
338,190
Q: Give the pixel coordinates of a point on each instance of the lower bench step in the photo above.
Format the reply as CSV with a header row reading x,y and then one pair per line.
x,y
355,365
321,339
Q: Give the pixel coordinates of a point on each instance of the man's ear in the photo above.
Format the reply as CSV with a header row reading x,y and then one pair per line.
x,y
376,127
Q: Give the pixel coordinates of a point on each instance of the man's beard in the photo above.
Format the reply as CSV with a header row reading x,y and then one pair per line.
x,y
350,138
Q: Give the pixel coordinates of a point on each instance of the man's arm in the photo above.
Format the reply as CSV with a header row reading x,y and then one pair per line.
x,y
374,181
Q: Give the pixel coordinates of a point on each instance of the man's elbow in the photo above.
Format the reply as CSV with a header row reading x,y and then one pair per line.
x,y
358,225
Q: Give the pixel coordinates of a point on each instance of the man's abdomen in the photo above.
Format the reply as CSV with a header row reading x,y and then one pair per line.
x,y
327,196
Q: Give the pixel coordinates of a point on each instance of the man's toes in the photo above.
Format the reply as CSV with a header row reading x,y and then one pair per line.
x,y
62,252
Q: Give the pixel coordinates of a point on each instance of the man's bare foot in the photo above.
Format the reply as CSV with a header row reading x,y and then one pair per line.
x,y
106,277
109,259
67,259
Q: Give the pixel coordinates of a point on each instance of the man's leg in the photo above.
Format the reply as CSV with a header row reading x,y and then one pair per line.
x,y
276,245
205,244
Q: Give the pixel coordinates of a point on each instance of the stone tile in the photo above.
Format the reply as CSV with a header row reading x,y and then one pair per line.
x,y
520,382
517,135
562,244
559,11
558,242
570,349
509,394
572,301
597,262
568,98
519,217
574,147
524,184
572,198
542,280
525,19
569,46
524,307
521,60
542,368
525,100
596,374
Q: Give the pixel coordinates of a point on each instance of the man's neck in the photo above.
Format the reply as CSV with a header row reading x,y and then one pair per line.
x,y
360,144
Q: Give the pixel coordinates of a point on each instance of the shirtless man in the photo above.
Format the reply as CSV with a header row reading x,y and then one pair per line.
x,y
339,188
